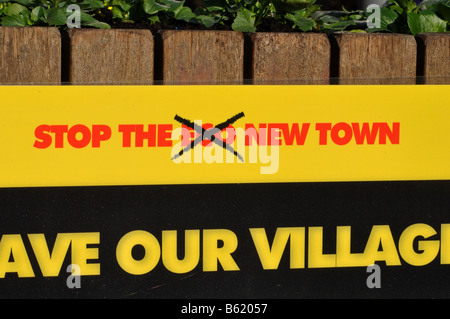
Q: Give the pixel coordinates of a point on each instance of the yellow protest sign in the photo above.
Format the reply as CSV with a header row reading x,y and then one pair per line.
x,y
138,135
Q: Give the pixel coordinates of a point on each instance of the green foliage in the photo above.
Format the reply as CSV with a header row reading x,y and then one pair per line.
x,y
337,20
20,13
166,10
247,15
56,13
431,16
398,16
405,16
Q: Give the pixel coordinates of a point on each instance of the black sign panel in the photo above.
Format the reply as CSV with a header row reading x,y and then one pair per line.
x,y
233,210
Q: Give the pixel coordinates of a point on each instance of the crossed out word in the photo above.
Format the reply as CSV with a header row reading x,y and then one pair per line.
x,y
206,136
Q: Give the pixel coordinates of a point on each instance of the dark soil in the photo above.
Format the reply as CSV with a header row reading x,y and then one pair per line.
x,y
272,25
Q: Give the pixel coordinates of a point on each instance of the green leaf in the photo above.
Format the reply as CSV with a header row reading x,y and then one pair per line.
x,y
37,13
88,20
339,26
425,22
23,2
407,5
397,9
16,20
305,24
214,8
123,5
117,14
414,23
208,21
16,8
215,5
300,21
244,21
311,10
171,5
388,18
357,31
184,13
153,19
152,7
335,20
56,17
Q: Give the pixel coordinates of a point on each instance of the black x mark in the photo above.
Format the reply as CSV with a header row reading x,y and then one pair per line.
x,y
208,134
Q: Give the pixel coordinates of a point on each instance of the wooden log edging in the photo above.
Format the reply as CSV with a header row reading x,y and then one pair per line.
x,y
30,56
202,57
113,56
285,58
434,51
377,59
36,55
